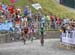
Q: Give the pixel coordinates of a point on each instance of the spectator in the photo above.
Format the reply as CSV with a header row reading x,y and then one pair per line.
x,y
48,19
66,20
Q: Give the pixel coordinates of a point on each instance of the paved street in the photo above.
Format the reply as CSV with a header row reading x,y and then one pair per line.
x,y
34,48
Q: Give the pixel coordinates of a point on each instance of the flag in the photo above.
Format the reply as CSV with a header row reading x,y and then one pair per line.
x,y
11,9
13,1
4,7
0,7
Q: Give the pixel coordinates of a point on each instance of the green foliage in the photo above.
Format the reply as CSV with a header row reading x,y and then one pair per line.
x,y
49,6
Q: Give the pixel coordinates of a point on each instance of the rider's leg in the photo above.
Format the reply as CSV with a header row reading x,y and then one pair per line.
x,y
42,39
24,39
31,36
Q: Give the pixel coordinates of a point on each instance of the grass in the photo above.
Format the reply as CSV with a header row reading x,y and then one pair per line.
x,y
49,6
52,7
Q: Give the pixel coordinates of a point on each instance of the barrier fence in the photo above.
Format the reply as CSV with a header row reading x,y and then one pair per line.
x,y
68,37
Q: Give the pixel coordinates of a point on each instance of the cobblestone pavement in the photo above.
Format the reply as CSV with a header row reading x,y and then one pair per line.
x,y
34,48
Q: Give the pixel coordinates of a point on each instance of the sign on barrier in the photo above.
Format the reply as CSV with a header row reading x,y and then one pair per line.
x,y
68,37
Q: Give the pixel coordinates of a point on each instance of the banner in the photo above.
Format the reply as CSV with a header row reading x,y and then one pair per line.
x,y
37,6
6,26
68,37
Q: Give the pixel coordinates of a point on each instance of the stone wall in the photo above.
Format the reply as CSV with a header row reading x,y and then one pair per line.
x,y
6,37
